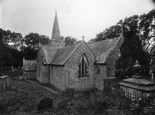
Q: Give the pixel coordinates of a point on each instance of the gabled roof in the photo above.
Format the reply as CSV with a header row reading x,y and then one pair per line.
x,y
103,49
58,56
64,53
48,53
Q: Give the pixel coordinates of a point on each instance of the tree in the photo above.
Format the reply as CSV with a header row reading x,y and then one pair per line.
x,y
44,40
69,40
109,33
32,42
139,40
132,46
10,56
16,38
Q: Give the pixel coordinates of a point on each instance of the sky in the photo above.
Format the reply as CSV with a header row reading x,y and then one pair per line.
x,y
76,17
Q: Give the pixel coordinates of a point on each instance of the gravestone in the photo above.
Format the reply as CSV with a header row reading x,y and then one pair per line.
x,y
70,93
45,103
25,77
87,94
8,81
5,82
2,84
62,104
12,69
107,90
100,95
20,77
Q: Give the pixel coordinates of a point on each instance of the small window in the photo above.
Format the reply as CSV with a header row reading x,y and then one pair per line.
x,y
97,70
130,94
83,66
134,96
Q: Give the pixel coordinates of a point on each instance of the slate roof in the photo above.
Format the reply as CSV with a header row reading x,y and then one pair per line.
x,y
103,49
59,56
48,53
63,54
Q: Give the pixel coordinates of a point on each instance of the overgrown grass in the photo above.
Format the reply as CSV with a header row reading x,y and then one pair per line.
x,y
22,97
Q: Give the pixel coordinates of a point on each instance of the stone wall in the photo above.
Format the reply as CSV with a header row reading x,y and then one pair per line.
x,y
113,57
30,74
42,73
71,70
66,76
57,77
135,94
102,76
132,93
29,68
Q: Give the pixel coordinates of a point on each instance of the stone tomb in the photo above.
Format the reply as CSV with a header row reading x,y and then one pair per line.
x,y
136,88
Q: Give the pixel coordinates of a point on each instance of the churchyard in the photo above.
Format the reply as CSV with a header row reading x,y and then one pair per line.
x,y
112,74
23,98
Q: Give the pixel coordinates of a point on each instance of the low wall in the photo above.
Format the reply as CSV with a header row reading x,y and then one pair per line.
x,y
29,68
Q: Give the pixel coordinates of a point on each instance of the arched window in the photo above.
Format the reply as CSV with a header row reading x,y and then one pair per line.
x,y
83,66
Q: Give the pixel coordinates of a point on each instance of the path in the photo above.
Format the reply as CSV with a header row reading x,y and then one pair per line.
x,y
42,86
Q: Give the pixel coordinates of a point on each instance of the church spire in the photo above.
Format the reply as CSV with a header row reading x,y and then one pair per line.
x,y
56,40
56,31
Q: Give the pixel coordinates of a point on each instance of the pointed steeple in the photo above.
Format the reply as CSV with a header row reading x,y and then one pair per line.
x,y
56,40
56,31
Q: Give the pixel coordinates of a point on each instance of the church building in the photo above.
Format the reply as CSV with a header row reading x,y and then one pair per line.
x,y
80,66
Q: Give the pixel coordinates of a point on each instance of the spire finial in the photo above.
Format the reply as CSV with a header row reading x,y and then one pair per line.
x,y
83,38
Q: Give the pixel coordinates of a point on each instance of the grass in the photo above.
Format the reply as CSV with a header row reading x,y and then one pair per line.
x,y
22,97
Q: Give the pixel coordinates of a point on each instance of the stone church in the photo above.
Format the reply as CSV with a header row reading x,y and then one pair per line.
x,y
80,66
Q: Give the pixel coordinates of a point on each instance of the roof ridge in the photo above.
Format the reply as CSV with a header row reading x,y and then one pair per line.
x,y
105,40
119,38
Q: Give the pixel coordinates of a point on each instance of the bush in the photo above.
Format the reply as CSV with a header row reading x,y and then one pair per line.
x,y
122,74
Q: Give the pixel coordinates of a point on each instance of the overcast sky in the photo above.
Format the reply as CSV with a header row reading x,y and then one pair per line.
x,y
76,17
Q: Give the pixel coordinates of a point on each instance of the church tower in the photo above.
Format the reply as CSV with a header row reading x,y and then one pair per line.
x,y
56,39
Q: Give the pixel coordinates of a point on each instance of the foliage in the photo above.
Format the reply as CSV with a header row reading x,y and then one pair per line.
x,y
17,72
32,42
132,48
10,55
139,39
69,40
109,33
13,46
23,99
